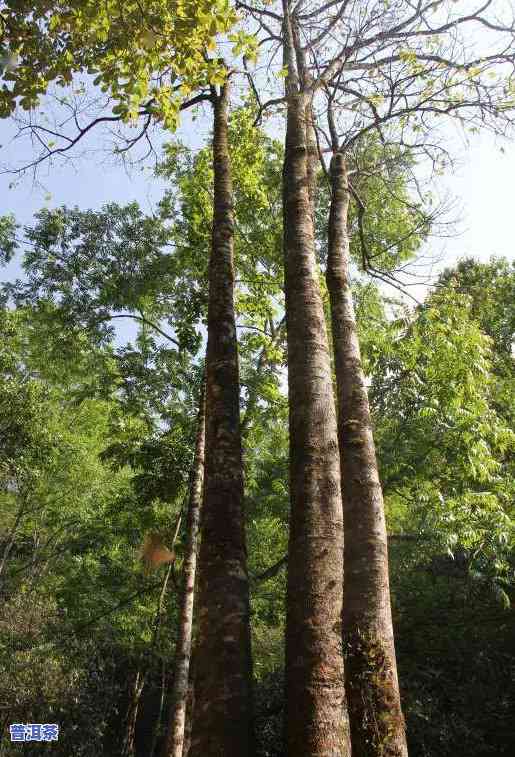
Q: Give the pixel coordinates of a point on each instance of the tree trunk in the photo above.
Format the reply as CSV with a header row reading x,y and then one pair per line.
x,y
159,718
315,723
376,722
312,162
222,722
189,708
128,747
173,745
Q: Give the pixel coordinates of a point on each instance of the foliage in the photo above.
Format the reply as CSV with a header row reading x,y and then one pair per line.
x,y
77,607
455,646
148,55
491,288
388,220
94,264
442,445
394,221
8,242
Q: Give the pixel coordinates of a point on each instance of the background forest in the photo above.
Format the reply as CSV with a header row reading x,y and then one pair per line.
x,y
108,338
97,444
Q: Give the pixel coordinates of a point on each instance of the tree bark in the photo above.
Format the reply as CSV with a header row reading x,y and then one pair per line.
x,y
315,723
222,722
312,162
174,741
190,703
376,721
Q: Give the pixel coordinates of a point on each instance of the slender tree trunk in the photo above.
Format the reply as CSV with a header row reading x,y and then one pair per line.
x,y
173,745
128,747
315,723
222,722
376,722
157,724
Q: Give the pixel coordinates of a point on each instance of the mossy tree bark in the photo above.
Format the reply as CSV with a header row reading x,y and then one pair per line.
x,y
376,722
222,719
315,722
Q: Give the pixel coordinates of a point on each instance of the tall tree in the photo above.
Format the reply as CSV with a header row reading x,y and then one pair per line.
x,y
314,663
393,68
222,721
125,48
376,722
